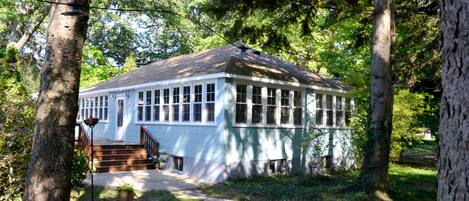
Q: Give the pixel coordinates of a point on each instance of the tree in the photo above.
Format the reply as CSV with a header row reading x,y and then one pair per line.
x,y
49,170
374,174
453,163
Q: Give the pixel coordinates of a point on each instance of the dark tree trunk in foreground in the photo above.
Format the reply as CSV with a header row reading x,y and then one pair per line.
x,y
453,161
374,175
50,166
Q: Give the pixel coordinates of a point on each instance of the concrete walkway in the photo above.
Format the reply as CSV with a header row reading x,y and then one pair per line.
x,y
145,180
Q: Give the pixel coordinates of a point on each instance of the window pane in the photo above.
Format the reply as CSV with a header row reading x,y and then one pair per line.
x,y
156,113
256,114
256,95
319,109
329,121
284,98
297,116
348,110
285,109
210,107
297,99
329,112
187,94
166,112
105,107
271,96
271,105
210,92
240,113
186,111
197,112
328,102
339,111
175,112
241,93
166,96
285,114
120,113
148,98
157,97
198,93
148,113
271,114
140,106
175,95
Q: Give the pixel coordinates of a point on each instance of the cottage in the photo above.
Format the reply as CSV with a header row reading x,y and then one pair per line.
x,y
225,112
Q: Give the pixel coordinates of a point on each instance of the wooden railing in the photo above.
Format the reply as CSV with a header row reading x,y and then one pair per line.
x,y
84,141
149,142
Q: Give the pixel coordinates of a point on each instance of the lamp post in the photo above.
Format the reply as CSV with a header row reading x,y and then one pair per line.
x,y
91,122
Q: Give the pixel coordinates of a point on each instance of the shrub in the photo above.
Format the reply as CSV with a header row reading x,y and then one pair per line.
x,y
80,167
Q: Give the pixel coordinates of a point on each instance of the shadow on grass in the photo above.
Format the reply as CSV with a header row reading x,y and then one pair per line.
x,y
406,183
110,194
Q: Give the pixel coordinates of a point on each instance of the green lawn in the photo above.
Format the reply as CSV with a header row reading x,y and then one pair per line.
x,y
406,183
110,194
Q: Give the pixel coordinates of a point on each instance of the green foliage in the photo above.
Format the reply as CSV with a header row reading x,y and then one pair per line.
x,y
407,108
17,113
11,55
125,187
80,167
95,67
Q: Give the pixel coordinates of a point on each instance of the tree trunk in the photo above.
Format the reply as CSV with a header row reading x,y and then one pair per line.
x,y
453,161
374,175
49,170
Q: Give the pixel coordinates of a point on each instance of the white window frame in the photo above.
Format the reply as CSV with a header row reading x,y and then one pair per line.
x,y
181,86
264,87
334,109
89,106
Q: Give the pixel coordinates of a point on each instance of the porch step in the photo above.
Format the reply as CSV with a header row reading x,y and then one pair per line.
x,y
121,168
121,157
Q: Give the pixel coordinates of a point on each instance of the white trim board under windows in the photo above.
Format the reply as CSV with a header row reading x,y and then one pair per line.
x,y
185,104
260,105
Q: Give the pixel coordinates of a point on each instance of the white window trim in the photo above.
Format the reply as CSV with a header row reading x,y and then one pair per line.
x,y
91,106
264,86
334,109
181,86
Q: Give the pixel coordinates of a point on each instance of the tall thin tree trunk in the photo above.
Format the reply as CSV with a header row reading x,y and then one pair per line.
x,y
50,166
374,175
28,33
453,160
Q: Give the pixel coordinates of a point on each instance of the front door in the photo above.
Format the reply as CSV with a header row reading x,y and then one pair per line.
x,y
120,131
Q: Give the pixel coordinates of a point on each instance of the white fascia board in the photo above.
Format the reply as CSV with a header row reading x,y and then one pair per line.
x,y
153,84
280,82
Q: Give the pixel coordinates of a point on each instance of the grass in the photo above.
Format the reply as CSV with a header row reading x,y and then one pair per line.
x,y
406,183
110,194
427,148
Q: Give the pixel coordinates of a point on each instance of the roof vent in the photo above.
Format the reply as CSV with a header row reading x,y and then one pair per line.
x,y
256,52
243,48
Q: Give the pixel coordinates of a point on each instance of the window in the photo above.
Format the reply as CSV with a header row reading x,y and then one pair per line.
x,y
197,103
285,106
271,105
105,107
329,111
93,106
348,111
148,106
319,110
241,105
165,104
175,104
210,104
140,106
120,112
156,106
256,105
101,104
297,108
178,163
277,166
339,109
186,106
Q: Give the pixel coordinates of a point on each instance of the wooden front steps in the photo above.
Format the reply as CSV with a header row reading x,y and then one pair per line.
x,y
118,158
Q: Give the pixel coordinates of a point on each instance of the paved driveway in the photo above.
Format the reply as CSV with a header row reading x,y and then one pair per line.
x,y
145,180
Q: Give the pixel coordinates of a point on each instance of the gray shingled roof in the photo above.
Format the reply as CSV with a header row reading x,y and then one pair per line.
x,y
228,59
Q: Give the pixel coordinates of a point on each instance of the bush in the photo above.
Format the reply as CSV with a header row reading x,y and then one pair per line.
x,y
80,167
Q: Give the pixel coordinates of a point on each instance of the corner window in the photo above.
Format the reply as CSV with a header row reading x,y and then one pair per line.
x,y
339,109
175,104
156,105
285,107
319,109
271,106
348,111
241,105
256,105
166,105
186,106
297,108
197,103
210,104
329,111
148,106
